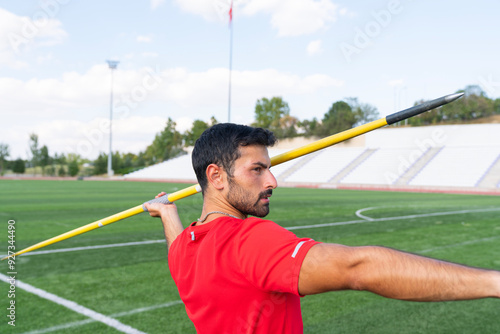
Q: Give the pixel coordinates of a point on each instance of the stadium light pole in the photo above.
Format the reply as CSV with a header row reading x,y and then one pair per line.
x,y
112,66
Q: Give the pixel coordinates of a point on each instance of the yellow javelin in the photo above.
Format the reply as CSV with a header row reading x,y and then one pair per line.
x,y
287,156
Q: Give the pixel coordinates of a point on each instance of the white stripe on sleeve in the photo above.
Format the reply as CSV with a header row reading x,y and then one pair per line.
x,y
296,250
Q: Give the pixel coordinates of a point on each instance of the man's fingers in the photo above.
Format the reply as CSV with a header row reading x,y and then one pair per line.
x,y
151,209
161,194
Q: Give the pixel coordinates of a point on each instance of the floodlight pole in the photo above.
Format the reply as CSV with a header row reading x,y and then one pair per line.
x,y
112,66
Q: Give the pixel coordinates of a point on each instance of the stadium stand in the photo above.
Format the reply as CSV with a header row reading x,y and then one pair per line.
x,y
457,166
174,169
447,156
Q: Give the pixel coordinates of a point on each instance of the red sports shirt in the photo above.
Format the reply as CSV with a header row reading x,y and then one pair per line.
x,y
239,276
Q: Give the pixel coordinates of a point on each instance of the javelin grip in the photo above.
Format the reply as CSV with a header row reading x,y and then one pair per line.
x,y
162,199
410,112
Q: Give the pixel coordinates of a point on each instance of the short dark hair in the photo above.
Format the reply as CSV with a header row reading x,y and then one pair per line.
x,y
220,144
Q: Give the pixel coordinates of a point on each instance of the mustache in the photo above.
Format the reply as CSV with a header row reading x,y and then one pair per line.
x,y
266,193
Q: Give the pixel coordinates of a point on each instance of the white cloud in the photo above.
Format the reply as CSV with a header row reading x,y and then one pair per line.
x,y
22,34
314,47
156,3
210,10
395,82
144,39
289,17
150,54
198,89
44,58
347,12
73,90
61,97
302,17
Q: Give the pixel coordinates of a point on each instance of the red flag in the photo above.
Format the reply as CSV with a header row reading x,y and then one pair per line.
x,y
231,13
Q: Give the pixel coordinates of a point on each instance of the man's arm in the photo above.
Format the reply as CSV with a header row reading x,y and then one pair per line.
x,y
393,274
172,225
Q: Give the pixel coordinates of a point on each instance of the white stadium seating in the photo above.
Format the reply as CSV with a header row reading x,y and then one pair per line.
x,y
457,166
384,166
174,169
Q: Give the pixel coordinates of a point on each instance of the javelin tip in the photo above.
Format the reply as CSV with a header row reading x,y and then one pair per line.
x,y
453,97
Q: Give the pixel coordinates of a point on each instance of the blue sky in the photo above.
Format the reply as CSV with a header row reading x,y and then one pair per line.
x,y
174,58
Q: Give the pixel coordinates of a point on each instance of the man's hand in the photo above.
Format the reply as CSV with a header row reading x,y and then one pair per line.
x,y
172,224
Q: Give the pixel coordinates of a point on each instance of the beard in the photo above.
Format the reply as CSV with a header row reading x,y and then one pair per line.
x,y
245,203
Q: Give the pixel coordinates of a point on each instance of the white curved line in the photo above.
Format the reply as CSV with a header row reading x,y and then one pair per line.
x,y
358,213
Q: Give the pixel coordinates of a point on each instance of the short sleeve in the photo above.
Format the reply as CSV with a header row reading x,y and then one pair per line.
x,y
271,256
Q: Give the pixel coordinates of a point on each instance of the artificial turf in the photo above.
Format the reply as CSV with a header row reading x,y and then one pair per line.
x,y
132,284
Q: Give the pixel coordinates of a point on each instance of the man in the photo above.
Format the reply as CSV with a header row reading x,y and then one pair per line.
x,y
245,275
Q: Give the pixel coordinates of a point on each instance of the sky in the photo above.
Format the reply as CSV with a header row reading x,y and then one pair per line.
x,y
174,63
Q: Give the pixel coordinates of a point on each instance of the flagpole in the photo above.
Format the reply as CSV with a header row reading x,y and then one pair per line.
x,y
230,60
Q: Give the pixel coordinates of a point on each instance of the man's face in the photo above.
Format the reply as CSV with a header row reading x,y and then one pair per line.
x,y
252,182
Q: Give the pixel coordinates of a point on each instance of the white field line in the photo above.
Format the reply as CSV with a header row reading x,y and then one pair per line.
x,y
88,321
73,306
434,214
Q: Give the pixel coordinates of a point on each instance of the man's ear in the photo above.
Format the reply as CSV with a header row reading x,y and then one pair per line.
x,y
215,176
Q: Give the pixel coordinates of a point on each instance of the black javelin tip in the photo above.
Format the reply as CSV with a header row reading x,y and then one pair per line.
x,y
426,106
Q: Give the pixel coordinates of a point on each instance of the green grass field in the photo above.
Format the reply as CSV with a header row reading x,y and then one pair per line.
x,y
132,284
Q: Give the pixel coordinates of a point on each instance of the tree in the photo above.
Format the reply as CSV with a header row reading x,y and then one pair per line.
x,y
197,129
288,127
4,153
128,160
166,145
363,112
496,106
73,168
44,158
101,164
268,115
19,166
117,161
74,163
62,171
308,127
35,151
339,117
60,159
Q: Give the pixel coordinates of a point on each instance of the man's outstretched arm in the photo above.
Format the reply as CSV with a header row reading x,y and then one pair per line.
x,y
393,274
172,225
